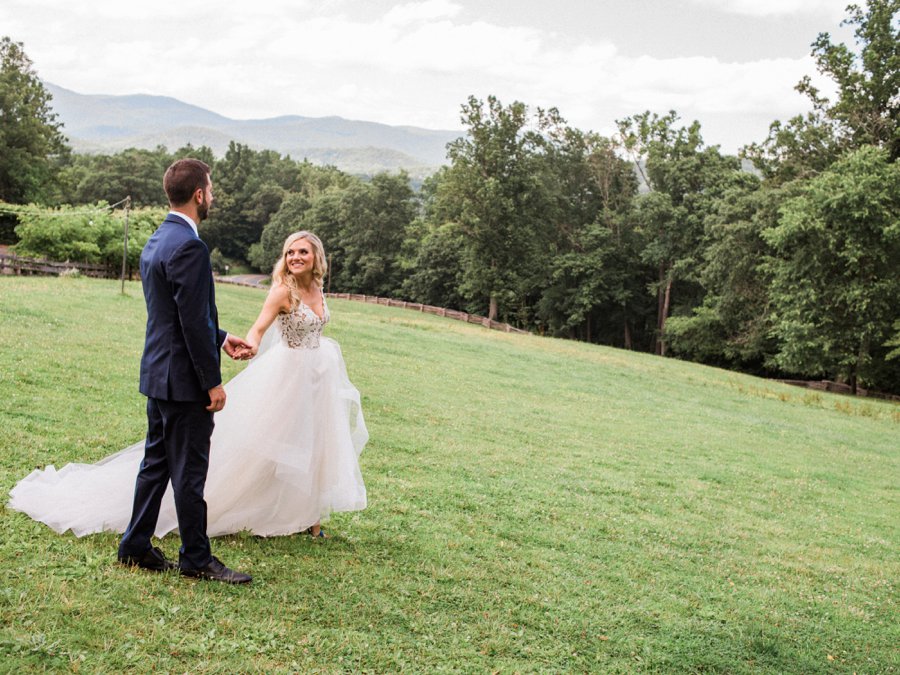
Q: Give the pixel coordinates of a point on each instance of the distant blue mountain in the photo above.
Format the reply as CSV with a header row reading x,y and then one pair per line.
x,y
108,124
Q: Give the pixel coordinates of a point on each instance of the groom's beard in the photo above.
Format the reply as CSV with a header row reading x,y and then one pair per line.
x,y
203,209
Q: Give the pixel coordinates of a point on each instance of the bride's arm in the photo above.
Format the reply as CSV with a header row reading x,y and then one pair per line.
x,y
277,302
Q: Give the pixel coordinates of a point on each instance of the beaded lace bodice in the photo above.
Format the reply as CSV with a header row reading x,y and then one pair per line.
x,y
302,328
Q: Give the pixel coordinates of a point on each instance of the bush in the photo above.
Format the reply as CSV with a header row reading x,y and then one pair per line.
x,y
89,234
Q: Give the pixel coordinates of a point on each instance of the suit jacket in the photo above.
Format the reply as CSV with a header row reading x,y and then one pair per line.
x,y
181,360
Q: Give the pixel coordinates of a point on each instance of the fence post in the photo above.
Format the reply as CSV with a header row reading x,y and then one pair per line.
x,y
125,245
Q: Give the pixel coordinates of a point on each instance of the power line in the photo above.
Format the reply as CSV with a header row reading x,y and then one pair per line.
x,y
30,210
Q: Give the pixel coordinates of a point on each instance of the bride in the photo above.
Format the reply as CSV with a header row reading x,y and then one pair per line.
x,y
284,453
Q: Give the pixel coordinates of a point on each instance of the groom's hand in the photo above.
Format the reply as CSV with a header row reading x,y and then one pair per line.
x,y
216,399
237,348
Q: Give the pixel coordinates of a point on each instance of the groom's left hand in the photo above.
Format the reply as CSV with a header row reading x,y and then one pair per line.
x,y
236,348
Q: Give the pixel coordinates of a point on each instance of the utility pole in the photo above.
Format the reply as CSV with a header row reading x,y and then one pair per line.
x,y
125,245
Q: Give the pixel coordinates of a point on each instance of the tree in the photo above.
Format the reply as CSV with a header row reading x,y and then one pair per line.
x,y
865,112
801,148
894,342
493,189
435,273
249,187
836,291
313,186
134,173
594,281
684,180
732,327
375,217
286,220
536,215
867,109
432,274
31,143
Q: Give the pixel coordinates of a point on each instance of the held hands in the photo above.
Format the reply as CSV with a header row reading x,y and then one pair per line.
x,y
238,349
247,349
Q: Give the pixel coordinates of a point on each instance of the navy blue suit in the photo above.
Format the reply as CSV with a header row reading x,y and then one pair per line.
x,y
180,364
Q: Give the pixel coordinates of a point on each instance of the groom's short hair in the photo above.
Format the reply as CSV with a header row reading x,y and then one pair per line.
x,y
183,178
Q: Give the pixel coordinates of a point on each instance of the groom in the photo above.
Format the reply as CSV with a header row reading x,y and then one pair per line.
x,y
181,378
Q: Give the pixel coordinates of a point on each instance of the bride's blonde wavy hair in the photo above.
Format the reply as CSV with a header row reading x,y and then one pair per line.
x,y
281,275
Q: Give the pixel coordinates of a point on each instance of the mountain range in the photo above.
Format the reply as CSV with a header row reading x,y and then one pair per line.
x,y
108,124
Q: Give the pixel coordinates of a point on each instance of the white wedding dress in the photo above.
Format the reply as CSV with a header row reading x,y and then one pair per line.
x,y
284,451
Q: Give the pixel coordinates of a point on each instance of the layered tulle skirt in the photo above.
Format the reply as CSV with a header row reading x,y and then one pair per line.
x,y
284,455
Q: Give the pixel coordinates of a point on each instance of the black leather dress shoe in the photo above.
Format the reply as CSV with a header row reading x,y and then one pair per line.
x,y
216,571
152,560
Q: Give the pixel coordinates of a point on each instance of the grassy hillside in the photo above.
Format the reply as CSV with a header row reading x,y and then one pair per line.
x,y
535,505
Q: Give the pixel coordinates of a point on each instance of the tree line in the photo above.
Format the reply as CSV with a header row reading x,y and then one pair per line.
x,y
648,239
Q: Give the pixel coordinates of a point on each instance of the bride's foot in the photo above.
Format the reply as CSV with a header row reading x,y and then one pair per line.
x,y
316,532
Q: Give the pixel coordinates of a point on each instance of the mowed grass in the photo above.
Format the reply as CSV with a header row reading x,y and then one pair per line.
x,y
536,505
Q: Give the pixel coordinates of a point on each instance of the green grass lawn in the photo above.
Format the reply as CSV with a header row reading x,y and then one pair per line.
x,y
536,505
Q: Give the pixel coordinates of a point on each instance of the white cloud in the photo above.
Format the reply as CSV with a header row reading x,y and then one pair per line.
x,y
412,64
707,85
429,10
833,9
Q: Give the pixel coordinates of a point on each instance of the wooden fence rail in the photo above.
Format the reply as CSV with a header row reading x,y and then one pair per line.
x,y
839,388
415,306
430,309
13,264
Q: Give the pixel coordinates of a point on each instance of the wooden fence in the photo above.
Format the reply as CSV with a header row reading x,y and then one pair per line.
x,y
430,309
403,304
13,264
839,388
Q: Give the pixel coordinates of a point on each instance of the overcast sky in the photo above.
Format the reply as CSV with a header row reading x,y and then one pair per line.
x,y
731,64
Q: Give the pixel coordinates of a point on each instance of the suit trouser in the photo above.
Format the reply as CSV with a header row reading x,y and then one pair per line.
x,y
177,448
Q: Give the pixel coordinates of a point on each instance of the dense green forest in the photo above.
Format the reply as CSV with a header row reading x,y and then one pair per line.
x,y
649,239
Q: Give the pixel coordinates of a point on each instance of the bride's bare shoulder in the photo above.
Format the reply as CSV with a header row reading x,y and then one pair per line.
x,y
280,294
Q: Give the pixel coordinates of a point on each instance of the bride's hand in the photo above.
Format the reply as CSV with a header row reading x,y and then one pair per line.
x,y
251,349
237,348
